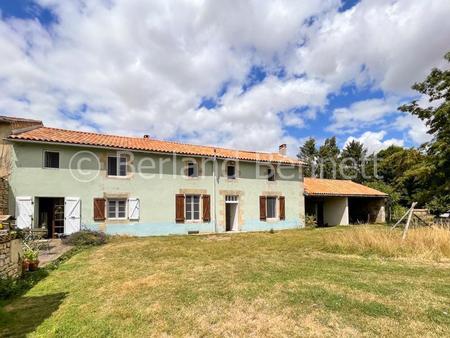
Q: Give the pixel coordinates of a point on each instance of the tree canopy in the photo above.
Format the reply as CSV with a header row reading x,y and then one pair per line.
x,y
417,174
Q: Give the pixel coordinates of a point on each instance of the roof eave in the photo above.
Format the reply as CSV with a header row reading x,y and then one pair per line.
x,y
24,140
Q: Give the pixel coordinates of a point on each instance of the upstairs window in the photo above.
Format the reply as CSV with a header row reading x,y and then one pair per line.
x,y
117,208
271,207
192,169
117,165
192,208
231,171
270,174
51,159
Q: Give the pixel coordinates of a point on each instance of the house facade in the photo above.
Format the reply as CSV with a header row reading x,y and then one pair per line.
x,y
64,180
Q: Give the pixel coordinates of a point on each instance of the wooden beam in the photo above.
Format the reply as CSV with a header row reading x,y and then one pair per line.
x,y
409,220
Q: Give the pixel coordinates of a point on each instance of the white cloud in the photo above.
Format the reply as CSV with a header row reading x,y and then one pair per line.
x,y
143,67
383,43
374,141
416,129
361,114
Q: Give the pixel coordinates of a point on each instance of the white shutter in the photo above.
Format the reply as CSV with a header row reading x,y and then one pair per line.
x,y
24,212
72,215
133,208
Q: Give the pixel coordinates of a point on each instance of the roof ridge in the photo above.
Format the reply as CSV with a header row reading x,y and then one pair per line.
x,y
154,139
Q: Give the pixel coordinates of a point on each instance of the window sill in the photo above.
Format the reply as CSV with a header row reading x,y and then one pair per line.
x,y
117,220
193,221
272,220
118,177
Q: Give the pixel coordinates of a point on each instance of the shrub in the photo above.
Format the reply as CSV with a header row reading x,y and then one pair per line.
x,y
86,238
310,221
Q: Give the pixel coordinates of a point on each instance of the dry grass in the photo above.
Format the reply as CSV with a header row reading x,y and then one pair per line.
x,y
421,243
242,285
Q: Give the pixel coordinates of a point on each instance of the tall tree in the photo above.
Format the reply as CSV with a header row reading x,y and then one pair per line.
x,y
308,154
352,160
436,116
328,160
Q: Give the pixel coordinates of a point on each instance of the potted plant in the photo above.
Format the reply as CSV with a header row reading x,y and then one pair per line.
x,y
25,264
31,259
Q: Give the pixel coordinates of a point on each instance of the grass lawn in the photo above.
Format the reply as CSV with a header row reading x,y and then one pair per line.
x,y
258,284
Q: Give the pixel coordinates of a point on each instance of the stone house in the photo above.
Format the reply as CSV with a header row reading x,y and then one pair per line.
x,y
65,180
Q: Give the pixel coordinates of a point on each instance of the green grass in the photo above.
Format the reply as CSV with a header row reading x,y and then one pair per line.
x,y
256,284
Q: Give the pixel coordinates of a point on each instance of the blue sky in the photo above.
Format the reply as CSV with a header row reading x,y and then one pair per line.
x,y
231,73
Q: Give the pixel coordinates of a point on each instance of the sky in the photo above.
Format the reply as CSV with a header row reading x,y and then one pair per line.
x,y
234,73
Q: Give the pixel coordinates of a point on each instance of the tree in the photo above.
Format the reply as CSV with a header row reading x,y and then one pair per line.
x,y
308,154
352,160
329,159
436,88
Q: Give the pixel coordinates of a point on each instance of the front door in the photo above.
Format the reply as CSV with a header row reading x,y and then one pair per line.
x,y
231,213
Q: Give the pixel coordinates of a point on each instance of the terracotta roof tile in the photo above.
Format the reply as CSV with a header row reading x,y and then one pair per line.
x,y
325,187
45,134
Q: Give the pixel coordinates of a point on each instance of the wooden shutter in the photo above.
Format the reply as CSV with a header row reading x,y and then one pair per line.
x,y
133,209
99,209
262,208
206,208
282,208
179,208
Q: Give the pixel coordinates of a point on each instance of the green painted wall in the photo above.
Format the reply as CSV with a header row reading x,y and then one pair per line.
x,y
156,193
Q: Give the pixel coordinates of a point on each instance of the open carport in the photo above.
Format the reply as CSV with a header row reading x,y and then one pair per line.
x,y
343,202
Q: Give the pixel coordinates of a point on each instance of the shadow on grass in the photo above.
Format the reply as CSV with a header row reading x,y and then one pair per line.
x,y
27,313
11,288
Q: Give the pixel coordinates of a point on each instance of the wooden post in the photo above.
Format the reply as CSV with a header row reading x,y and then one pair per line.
x,y
409,220
401,219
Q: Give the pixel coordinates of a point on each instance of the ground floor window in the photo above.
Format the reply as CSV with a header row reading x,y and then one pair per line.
x,y
117,208
271,207
192,207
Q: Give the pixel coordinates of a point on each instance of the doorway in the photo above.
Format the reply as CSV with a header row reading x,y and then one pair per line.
x,y
51,215
320,218
231,213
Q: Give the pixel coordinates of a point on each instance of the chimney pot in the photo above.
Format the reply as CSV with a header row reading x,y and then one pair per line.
x,y
282,149
146,136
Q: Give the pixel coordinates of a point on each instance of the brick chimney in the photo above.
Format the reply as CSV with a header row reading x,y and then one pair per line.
x,y
282,149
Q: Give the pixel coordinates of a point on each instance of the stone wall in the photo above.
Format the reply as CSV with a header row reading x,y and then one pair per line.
x,y
10,253
4,188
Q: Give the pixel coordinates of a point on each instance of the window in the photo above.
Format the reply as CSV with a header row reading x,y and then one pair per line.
x,y
231,171
271,207
117,166
51,159
117,208
192,170
270,174
192,207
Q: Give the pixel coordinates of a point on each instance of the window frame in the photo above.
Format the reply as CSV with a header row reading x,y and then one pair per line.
x,y
271,174
191,165
191,206
116,202
234,176
275,206
44,160
119,165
